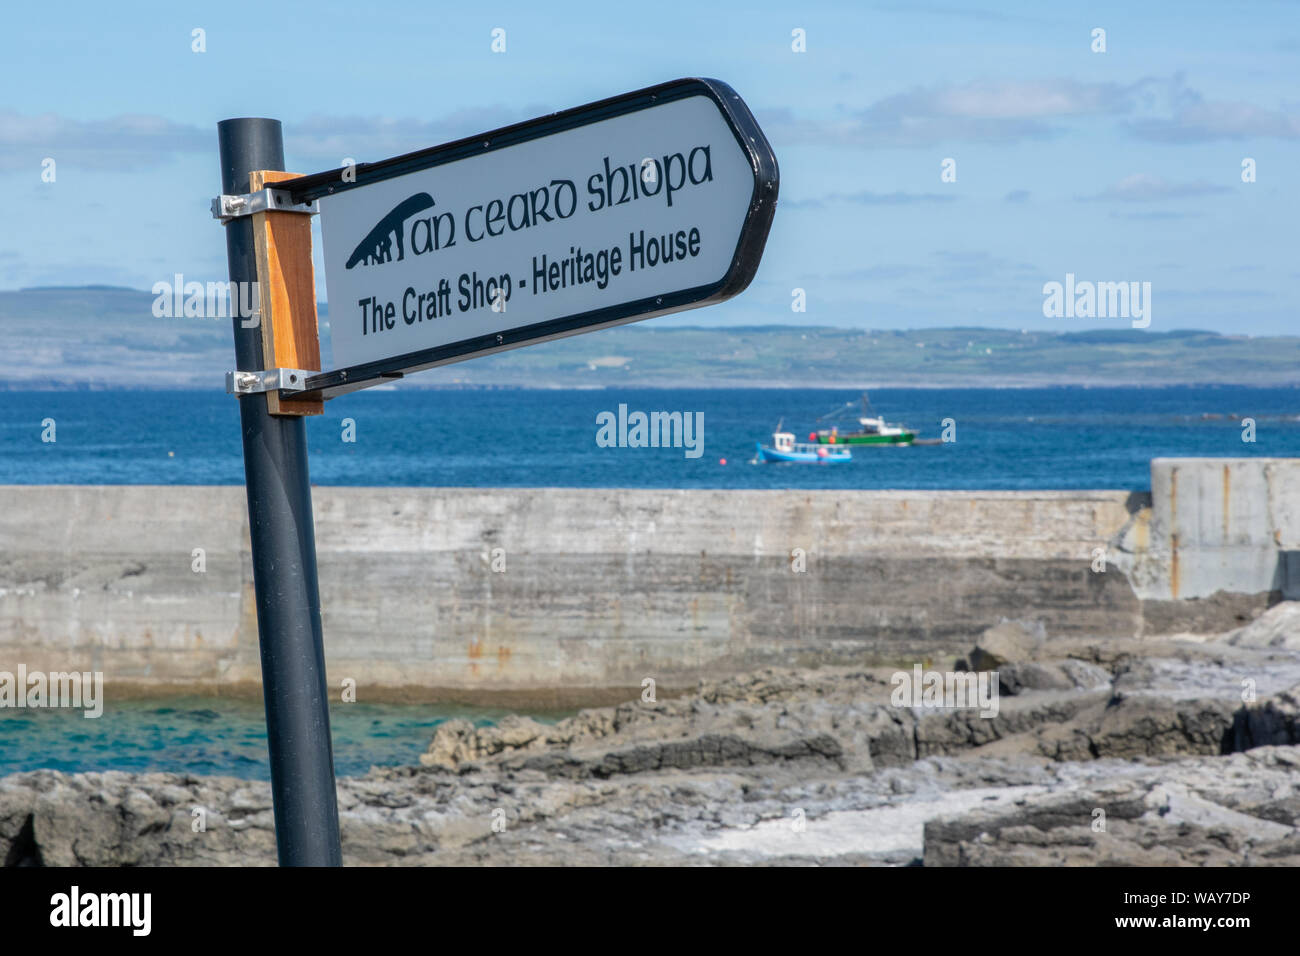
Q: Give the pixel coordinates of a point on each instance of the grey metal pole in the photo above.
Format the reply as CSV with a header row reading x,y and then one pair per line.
x,y
284,554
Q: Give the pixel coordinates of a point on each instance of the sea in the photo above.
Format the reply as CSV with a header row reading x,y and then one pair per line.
x,y
998,438
986,438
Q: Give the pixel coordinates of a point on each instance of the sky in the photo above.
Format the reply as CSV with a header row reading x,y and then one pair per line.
x,y
1119,166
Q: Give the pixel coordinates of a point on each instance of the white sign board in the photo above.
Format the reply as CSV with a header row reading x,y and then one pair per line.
x,y
650,203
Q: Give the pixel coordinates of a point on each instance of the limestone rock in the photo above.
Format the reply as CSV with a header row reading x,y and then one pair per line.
x,y
1184,771
1019,676
458,741
1006,643
1156,726
1278,627
1272,721
1145,820
453,741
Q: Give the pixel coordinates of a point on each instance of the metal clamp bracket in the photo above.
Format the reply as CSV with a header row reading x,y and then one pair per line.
x,y
227,208
271,380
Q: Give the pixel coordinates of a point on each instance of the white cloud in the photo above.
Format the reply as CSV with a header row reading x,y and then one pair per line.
x,y
133,141
1204,121
125,142
867,198
325,140
1003,111
1143,187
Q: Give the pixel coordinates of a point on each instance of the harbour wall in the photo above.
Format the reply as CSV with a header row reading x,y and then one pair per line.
x,y
558,594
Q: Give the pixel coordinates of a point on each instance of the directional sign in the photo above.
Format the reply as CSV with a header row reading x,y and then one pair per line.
x,y
640,205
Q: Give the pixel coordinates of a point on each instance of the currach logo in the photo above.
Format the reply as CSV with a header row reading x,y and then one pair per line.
x,y
377,247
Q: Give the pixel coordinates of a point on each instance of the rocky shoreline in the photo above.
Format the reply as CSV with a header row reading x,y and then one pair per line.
x,y
1134,752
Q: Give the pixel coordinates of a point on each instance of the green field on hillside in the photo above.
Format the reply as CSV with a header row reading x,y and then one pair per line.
x,y
100,337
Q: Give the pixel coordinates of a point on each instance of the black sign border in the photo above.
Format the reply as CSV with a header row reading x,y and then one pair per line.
x,y
744,262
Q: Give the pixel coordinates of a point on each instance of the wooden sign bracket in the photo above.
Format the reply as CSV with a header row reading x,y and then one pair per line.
x,y
287,296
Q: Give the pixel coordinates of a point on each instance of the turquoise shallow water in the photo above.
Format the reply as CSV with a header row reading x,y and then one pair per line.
x,y
219,736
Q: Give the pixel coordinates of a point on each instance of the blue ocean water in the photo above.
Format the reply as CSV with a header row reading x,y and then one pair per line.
x,y
219,736
1049,438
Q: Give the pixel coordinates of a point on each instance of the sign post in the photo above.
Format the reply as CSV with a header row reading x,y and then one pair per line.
x,y
283,544
639,205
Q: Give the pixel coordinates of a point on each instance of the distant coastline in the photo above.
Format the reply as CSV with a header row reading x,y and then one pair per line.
x,y
99,338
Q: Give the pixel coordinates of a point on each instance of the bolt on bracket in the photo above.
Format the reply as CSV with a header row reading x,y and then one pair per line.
x,y
270,380
226,208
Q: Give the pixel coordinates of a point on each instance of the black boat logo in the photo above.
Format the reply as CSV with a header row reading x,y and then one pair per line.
x,y
377,247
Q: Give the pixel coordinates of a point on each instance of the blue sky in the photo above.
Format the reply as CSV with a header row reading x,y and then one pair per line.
x,y
1116,166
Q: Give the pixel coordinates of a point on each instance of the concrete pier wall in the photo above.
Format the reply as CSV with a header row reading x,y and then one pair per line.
x,y
445,592
1217,525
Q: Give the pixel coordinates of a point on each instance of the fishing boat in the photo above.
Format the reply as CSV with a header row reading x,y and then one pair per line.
x,y
871,430
785,448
